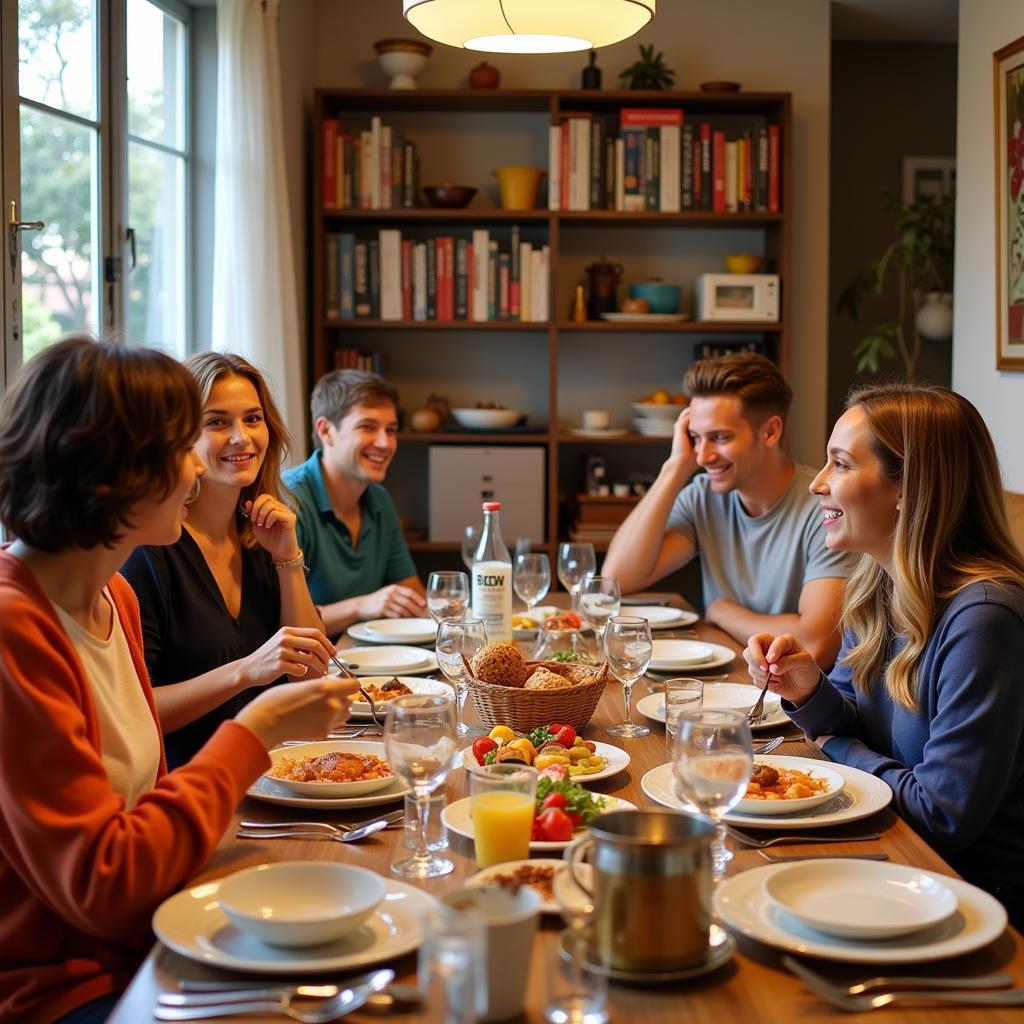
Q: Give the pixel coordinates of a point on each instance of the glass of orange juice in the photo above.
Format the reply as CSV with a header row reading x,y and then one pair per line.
x,y
502,800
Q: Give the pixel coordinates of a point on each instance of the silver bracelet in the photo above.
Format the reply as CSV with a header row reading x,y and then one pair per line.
x,y
292,563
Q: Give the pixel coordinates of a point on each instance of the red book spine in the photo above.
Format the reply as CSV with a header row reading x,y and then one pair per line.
x,y
718,172
696,173
441,248
407,279
650,117
566,167
748,173
329,163
773,168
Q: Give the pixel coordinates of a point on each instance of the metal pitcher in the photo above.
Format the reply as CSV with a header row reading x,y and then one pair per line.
x,y
652,888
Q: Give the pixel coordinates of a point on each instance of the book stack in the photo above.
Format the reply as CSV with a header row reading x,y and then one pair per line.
x,y
372,169
353,359
450,277
599,516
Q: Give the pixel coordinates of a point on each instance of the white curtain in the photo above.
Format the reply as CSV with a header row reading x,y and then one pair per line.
x,y
255,307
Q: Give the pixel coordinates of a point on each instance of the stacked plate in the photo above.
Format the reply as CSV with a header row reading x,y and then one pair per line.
x,y
655,419
661,618
688,656
394,631
377,661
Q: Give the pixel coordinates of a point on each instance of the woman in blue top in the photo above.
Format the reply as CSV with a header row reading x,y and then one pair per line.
x,y
226,610
927,692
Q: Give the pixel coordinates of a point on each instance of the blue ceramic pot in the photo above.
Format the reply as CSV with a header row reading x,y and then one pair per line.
x,y
662,298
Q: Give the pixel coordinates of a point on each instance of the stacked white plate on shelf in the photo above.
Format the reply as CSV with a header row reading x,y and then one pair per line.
x,y
394,631
655,419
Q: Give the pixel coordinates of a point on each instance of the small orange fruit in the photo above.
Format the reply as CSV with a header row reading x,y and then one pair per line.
x,y
661,398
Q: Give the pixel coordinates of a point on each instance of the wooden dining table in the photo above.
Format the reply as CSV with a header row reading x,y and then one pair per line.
x,y
753,986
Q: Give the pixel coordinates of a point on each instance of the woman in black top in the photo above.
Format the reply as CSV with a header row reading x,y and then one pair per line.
x,y
226,609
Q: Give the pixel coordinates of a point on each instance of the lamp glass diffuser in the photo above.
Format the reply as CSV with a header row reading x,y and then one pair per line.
x,y
528,26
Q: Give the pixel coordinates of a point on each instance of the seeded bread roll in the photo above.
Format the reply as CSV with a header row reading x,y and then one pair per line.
x,y
545,679
500,664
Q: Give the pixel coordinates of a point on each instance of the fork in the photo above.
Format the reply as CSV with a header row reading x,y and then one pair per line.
x,y
756,713
742,837
841,998
349,674
392,818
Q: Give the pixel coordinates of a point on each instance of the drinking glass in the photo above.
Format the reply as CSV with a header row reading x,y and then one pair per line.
x,y
712,761
447,595
452,964
599,603
531,578
575,563
419,739
501,802
628,647
458,641
682,695
470,542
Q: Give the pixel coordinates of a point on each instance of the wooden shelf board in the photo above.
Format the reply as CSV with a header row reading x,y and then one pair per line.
x,y
453,437
433,215
681,326
435,325
655,218
625,439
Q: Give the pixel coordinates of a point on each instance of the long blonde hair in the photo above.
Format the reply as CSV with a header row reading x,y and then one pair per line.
x,y
210,367
952,529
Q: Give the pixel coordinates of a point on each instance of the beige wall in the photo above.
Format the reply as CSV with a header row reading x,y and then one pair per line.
x,y
985,26
782,46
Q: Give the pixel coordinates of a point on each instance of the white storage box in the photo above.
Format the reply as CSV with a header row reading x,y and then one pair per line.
x,y
462,477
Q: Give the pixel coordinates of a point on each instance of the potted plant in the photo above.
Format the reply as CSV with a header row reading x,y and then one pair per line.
x,y
921,258
650,72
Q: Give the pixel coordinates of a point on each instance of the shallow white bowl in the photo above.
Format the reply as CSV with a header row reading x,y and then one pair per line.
x,y
300,903
658,410
787,807
328,790
857,899
486,419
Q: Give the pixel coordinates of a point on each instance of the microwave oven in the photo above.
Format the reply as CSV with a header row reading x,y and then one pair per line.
x,y
738,297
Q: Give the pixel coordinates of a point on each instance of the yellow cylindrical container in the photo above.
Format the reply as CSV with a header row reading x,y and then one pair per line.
x,y
518,186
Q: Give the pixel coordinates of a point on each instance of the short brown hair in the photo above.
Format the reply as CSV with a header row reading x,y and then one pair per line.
x,y
753,378
87,431
210,367
338,392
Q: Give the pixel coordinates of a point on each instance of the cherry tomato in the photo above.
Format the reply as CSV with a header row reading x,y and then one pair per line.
x,y
555,825
575,817
554,800
484,745
566,735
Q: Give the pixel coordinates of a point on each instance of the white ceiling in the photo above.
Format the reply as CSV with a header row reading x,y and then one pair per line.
x,y
917,21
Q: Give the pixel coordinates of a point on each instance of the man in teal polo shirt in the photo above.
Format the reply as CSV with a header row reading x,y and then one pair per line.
x,y
359,564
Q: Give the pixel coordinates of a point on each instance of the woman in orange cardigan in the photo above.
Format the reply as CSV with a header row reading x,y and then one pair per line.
x,y
96,458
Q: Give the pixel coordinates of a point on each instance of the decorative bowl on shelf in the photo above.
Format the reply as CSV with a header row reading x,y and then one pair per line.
x,y
660,297
743,263
487,419
449,197
402,60
719,86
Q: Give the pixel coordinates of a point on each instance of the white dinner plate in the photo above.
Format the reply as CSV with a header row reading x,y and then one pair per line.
x,y
818,770
394,631
860,899
651,318
616,757
741,903
862,796
192,923
457,819
678,654
560,882
360,709
652,707
539,614
598,433
375,661
328,790
660,617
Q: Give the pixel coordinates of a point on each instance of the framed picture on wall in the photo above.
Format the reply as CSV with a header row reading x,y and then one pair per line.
x,y
927,176
1008,66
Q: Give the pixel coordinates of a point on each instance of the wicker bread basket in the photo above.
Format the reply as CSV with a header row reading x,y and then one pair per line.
x,y
524,710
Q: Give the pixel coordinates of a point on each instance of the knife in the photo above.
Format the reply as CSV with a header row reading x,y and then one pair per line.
x,y
209,993
661,602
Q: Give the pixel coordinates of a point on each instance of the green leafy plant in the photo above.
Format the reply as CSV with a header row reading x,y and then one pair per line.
x,y
650,72
921,258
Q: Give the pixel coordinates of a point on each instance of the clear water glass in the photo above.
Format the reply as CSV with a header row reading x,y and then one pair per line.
x,y
458,641
452,969
628,648
682,695
531,577
575,563
712,760
470,542
437,834
421,746
447,595
599,603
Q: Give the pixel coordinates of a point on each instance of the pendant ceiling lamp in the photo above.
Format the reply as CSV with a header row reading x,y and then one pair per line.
x,y
528,26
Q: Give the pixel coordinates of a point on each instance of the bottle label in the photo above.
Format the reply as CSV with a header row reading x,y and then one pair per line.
x,y
492,598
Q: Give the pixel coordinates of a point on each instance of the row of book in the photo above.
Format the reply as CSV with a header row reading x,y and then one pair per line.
x,y
445,278
654,160
369,170
353,359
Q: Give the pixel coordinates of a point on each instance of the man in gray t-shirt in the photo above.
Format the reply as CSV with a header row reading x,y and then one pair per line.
x,y
750,517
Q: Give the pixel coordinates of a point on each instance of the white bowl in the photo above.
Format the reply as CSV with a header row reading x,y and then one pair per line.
x,y
402,67
658,410
328,790
486,419
835,781
300,903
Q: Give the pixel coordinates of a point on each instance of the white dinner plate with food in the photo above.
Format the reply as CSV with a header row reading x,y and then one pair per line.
x,y
652,706
617,759
597,434
786,792
457,819
373,684
742,904
536,615
546,875
375,774
688,656
376,661
861,899
660,617
394,631
192,923
862,796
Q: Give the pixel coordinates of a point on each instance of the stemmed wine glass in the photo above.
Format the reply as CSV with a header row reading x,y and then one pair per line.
x,y
627,644
531,578
470,542
458,641
575,563
712,761
419,738
599,603
447,595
